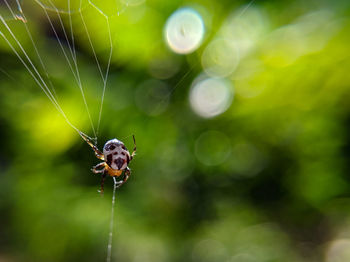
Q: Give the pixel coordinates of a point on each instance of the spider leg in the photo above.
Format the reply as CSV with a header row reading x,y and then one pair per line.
x,y
102,182
99,168
126,177
98,153
134,151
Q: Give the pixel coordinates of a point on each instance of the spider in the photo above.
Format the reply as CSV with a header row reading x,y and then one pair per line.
x,y
115,157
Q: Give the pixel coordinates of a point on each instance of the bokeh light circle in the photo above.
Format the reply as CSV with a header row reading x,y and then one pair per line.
x,y
212,148
184,31
211,97
338,251
220,58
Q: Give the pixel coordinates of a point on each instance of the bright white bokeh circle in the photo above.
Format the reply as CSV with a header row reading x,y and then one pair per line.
x,y
211,96
338,251
184,31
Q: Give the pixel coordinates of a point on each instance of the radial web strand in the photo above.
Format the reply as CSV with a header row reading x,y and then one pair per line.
x,y
49,9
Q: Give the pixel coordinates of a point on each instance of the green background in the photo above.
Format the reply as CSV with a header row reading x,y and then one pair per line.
x,y
265,181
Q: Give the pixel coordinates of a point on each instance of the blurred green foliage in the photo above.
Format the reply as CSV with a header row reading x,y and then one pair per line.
x,y
264,181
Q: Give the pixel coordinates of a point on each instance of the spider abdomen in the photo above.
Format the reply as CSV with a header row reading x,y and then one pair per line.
x,y
116,155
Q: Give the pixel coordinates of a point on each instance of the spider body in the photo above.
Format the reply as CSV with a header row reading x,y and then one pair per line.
x,y
115,157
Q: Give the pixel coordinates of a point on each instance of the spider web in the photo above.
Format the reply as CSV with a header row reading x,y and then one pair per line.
x,y
65,20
